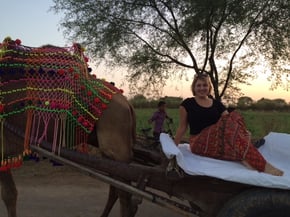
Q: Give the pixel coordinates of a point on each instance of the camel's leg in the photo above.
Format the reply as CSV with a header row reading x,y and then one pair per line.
x,y
113,196
127,210
125,204
8,192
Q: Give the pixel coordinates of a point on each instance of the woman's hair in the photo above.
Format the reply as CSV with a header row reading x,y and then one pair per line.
x,y
203,77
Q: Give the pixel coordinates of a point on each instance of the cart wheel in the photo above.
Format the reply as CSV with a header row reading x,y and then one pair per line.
x,y
258,203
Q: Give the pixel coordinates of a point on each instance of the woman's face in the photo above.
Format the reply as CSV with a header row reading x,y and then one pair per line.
x,y
201,88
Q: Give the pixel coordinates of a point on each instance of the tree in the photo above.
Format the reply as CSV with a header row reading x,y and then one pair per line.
x,y
244,102
264,104
172,101
139,101
159,39
280,103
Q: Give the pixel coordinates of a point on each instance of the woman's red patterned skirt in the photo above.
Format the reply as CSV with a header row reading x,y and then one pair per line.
x,y
228,139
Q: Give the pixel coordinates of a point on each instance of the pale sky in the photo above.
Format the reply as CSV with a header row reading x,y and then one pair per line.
x,y
33,23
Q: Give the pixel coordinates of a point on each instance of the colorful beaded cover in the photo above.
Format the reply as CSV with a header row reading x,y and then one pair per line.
x,y
52,87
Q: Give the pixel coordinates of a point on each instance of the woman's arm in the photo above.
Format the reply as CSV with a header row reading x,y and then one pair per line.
x,y
182,125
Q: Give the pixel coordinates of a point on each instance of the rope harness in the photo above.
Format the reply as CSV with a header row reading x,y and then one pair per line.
x,y
51,87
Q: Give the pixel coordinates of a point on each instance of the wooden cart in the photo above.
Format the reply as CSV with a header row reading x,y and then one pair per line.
x,y
190,195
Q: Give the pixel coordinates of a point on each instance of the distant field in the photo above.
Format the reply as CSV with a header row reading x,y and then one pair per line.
x,y
259,123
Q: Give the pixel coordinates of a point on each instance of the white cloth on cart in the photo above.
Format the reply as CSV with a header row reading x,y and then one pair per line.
x,y
276,150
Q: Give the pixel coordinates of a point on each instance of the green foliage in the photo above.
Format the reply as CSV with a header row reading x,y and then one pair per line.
x,y
263,104
259,123
157,39
140,101
245,102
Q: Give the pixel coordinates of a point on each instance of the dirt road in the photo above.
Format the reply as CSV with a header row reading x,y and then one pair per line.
x,y
48,191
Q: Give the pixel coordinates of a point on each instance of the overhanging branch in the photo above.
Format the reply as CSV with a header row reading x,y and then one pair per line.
x,y
159,53
251,27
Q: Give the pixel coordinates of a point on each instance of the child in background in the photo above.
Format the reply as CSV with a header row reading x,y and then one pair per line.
x,y
158,118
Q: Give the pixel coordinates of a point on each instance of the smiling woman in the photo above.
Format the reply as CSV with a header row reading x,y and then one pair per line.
x,y
216,133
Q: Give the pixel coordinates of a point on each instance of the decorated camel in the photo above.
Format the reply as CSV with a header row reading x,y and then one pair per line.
x,y
48,93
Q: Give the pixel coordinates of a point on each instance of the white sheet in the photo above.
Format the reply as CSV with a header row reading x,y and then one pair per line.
x,y
276,150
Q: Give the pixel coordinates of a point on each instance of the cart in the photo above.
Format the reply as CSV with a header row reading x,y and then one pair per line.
x,y
190,195
200,196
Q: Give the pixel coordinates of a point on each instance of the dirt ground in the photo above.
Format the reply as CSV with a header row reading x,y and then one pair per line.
x,y
61,191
